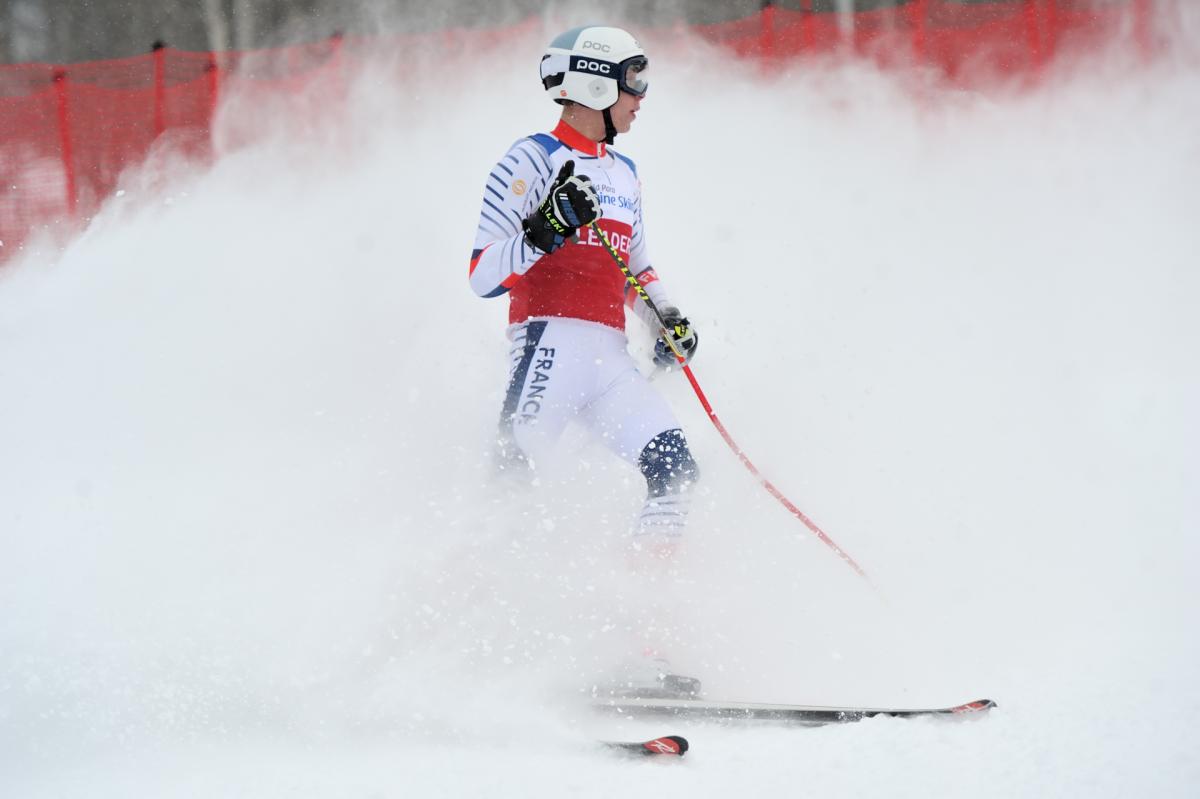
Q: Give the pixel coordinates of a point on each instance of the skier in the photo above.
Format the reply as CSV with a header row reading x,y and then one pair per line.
x,y
567,297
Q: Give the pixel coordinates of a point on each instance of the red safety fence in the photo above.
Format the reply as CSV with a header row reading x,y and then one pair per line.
x,y
68,132
966,40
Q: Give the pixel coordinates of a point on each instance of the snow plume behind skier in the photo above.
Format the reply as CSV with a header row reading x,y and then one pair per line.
x,y
567,299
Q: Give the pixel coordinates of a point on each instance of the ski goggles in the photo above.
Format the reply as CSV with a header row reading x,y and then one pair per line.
x,y
631,75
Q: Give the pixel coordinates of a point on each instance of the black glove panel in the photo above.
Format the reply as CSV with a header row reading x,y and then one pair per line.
x,y
570,204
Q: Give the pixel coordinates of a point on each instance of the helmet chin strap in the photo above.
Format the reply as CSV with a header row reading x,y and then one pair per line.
x,y
610,131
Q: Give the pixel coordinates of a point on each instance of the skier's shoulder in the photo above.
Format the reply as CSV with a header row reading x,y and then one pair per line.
x,y
539,144
531,151
539,150
544,141
626,160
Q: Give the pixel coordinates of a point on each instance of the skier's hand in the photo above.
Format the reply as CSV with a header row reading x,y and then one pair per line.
x,y
683,337
570,204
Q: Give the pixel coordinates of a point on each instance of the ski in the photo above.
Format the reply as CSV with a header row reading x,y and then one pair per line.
x,y
811,715
666,745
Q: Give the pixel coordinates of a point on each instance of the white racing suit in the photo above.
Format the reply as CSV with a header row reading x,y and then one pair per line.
x,y
567,323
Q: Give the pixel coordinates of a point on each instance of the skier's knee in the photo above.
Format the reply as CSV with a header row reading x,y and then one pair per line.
x,y
667,464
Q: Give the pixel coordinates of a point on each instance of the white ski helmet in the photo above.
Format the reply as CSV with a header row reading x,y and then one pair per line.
x,y
592,65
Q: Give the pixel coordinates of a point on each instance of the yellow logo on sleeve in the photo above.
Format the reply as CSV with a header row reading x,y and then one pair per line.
x,y
518,187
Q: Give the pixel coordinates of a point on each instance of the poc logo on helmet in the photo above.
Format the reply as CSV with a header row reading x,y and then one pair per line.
x,y
604,48
594,67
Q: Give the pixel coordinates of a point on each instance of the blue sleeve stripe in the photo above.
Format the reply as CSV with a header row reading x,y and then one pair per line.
x,y
517,217
498,210
547,142
537,167
512,248
506,169
499,230
498,194
496,292
498,179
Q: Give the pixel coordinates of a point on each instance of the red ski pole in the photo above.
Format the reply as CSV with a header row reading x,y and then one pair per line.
x,y
712,415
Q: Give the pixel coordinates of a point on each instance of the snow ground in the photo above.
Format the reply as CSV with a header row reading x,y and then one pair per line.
x,y
249,547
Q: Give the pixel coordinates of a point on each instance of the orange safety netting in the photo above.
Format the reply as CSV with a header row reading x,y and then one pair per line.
x,y
67,132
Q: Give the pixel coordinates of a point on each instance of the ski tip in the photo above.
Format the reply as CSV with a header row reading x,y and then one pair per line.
x,y
974,707
666,745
